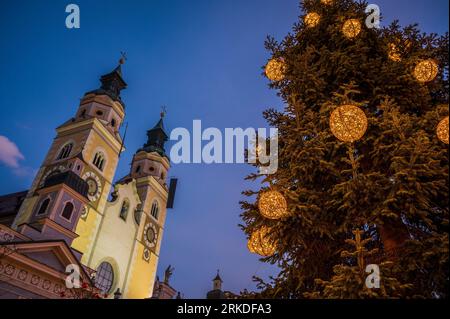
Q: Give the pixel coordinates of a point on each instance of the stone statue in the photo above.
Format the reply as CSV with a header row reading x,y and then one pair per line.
x,y
168,273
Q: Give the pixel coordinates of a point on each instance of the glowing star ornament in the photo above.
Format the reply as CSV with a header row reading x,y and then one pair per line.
x,y
351,28
312,19
348,123
426,71
260,243
272,205
276,70
442,131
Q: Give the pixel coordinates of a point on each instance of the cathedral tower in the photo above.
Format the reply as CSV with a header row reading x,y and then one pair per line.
x,y
149,169
127,244
79,168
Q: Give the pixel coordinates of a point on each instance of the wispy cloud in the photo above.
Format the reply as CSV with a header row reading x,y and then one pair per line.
x,y
10,154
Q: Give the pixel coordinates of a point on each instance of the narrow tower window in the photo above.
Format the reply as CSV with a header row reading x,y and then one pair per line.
x,y
44,206
124,210
99,160
155,210
65,151
67,211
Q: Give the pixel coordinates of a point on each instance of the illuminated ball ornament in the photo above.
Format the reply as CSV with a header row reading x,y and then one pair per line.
x,y
348,123
272,205
260,243
276,70
312,19
351,28
442,130
426,71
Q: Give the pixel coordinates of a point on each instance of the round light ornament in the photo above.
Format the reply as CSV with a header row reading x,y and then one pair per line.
x,y
442,131
272,205
276,70
260,243
326,2
426,71
348,123
312,19
352,28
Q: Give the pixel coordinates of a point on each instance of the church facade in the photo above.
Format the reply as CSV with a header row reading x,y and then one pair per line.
x,y
74,213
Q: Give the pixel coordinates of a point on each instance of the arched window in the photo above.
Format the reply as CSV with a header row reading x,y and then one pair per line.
x,y
138,214
104,277
113,123
65,151
99,160
44,206
124,210
138,169
67,211
155,210
83,113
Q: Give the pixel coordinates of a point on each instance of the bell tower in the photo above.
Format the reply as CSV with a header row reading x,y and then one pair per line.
x,y
149,169
88,146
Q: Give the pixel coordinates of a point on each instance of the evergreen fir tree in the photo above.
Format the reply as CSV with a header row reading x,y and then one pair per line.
x,y
393,181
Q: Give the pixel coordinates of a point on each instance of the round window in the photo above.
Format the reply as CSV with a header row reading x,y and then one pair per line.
x,y
104,277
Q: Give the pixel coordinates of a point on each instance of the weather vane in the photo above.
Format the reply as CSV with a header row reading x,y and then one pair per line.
x,y
123,57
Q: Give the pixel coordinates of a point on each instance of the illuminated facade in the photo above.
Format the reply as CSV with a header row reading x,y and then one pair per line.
x,y
113,231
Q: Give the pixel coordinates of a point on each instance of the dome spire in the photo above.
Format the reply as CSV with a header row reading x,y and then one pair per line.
x,y
113,83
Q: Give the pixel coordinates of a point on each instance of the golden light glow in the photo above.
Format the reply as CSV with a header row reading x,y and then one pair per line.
x,y
394,53
326,2
442,130
272,205
348,123
426,71
260,243
312,19
351,28
276,70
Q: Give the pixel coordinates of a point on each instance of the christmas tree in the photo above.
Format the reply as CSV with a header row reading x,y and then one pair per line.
x,y
362,146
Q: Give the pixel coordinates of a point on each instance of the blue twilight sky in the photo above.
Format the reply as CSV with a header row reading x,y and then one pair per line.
x,y
201,58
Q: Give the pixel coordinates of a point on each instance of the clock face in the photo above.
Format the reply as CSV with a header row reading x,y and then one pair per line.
x,y
150,235
94,185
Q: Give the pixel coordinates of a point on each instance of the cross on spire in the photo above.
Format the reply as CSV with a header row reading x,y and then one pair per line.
x,y
123,57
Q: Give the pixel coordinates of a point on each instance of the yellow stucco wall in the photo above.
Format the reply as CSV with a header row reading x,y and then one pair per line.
x,y
115,239
142,277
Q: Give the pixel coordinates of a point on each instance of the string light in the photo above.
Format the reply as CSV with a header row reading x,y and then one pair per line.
x,y
272,205
394,53
348,123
